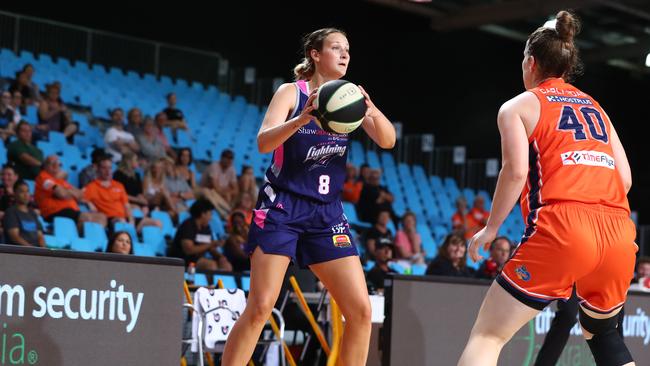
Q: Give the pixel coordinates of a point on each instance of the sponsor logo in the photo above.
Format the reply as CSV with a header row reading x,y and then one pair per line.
x,y
341,241
323,155
586,157
12,348
522,273
572,100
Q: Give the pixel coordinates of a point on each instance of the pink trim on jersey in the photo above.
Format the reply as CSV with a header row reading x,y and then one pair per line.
x,y
302,85
278,159
260,216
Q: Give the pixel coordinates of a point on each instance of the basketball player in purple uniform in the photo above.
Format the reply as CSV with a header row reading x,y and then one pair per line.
x,y
299,215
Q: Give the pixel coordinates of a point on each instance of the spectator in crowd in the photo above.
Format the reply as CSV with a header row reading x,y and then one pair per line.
x,y
22,84
193,241
219,183
53,115
178,189
477,217
379,233
155,190
183,163
352,186
376,275
234,246
642,269
152,147
175,117
247,182
499,253
20,222
459,219
109,197
408,241
375,198
117,140
162,122
56,197
7,124
120,243
127,175
89,173
451,259
26,157
7,197
244,206
364,173
134,122
16,102
29,70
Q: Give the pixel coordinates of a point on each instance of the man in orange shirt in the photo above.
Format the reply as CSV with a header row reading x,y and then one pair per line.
x,y
56,197
352,186
109,197
477,217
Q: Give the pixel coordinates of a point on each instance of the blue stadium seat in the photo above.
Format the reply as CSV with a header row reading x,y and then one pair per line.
x,y
96,234
143,250
200,279
228,281
245,283
152,236
83,245
351,213
166,220
65,230
418,269
53,242
125,226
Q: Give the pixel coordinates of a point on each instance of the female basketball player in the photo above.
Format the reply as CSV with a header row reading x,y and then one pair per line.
x,y
578,226
299,214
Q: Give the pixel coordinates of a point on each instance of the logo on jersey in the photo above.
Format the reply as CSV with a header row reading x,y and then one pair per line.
x,y
323,155
522,273
572,100
341,241
586,157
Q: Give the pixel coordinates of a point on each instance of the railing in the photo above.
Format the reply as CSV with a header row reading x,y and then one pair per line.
x,y
75,43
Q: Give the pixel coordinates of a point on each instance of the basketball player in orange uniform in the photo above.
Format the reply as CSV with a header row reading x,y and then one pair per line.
x,y
560,147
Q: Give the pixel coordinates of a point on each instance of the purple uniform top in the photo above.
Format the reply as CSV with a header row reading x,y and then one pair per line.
x,y
310,163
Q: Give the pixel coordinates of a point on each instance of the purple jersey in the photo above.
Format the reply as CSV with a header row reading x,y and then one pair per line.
x,y
310,163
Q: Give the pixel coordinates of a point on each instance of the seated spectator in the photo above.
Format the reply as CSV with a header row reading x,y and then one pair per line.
x,y
451,259
20,223
89,173
352,186
499,254
109,197
155,190
642,269
375,198
219,183
162,122
379,233
131,181
56,197
244,206
151,146
408,241
476,217
22,84
53,115
7,197
120,243
7,124
175,117
377,275
193,241
29,72
26,157
117,140
134,122
459,219
183,163
247,182
16,102
178,189
234,246
364,173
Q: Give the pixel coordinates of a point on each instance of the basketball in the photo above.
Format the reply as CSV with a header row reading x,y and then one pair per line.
x,y
339,106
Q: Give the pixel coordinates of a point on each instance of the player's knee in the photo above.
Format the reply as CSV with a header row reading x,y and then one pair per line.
x,y
360,314
260,309
606,344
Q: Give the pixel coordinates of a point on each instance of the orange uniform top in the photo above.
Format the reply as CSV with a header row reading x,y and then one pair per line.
x,y
570,153
44,196
110,201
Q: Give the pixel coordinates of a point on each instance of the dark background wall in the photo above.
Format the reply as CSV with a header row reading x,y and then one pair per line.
x,y
448,84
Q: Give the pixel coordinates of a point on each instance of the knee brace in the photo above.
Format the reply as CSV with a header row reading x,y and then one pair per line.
x,y
606,345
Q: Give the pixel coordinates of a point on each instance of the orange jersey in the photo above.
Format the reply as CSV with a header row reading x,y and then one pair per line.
x,y
44,195
570,154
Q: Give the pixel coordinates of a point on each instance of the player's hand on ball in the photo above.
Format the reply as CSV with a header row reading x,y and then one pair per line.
x,y
371,106
306,116
484,237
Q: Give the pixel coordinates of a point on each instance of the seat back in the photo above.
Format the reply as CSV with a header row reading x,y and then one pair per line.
x,y
218,309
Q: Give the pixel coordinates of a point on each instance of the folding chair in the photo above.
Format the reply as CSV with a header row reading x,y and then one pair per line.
x,y
215,312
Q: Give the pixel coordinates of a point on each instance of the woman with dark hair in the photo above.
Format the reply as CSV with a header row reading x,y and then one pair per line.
x,y
247,183
184,160
120,243
562,156
451,259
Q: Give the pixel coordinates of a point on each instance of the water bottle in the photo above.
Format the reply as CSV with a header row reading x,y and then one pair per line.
x,y
191,270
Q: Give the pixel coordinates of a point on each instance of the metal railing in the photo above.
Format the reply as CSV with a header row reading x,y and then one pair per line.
x,y
76,43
